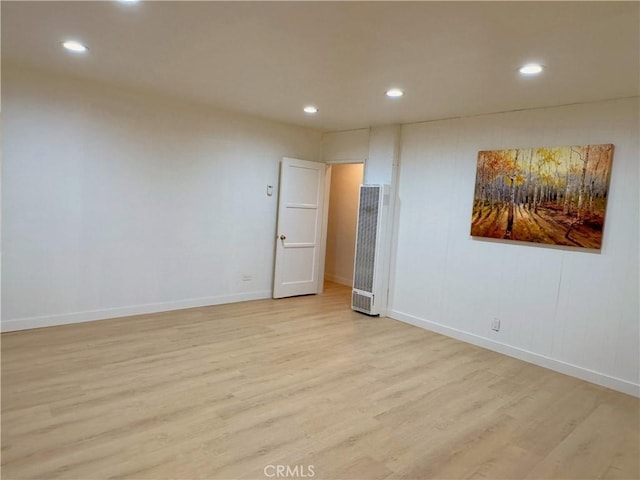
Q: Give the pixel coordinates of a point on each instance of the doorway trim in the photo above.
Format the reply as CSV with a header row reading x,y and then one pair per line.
x,y
325,213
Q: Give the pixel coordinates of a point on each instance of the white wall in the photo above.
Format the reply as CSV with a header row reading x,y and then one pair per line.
x,y
571,310
343,216
384,144
349,146
117,202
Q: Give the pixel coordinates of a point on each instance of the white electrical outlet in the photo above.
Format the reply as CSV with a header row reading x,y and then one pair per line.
x,y
495,325
246,277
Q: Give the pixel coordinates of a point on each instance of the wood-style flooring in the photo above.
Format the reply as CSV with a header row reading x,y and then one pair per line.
x,y
223,392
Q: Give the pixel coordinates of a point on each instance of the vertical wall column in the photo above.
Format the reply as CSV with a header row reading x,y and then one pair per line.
x,y
382,168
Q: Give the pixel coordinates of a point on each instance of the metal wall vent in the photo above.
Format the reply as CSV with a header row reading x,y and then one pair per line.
x,y
366,255
366,238
361,303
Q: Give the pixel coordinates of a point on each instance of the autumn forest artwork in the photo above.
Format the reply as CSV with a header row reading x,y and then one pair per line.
x,y
552,195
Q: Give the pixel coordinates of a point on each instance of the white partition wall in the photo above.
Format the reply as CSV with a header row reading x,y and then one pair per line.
x,y
571,310
118,202
349,146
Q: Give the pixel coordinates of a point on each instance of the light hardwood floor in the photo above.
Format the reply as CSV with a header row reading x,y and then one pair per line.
x,y
221,392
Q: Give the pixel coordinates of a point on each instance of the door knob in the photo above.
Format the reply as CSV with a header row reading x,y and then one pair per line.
x,y
283,237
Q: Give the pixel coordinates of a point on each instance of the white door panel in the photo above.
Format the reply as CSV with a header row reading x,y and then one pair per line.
x,y
300,226
303,184
298,242
298,266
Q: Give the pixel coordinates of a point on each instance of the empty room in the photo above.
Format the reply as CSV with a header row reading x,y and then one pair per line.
x,y
331,240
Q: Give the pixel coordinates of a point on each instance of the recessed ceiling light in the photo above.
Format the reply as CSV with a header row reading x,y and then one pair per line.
x,y
128,1
531,69
310,109
74,46
394,92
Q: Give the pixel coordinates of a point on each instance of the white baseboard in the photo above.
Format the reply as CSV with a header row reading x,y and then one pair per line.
x,y
91,315
348,281
592,376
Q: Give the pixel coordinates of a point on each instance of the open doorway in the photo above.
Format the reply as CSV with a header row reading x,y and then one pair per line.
x,y
346,179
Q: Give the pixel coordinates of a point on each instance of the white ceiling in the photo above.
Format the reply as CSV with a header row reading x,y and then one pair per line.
x,y
272,58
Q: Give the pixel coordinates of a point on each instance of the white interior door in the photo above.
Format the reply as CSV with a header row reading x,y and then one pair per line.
x,y
299,231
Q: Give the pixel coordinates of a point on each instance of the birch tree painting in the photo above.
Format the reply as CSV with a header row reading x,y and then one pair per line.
x,y
553,195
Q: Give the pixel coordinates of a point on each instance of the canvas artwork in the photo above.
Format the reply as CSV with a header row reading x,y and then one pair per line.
x,y
556,195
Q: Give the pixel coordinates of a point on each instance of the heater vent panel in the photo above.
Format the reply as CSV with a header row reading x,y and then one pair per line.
x,y
361,303
368,218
